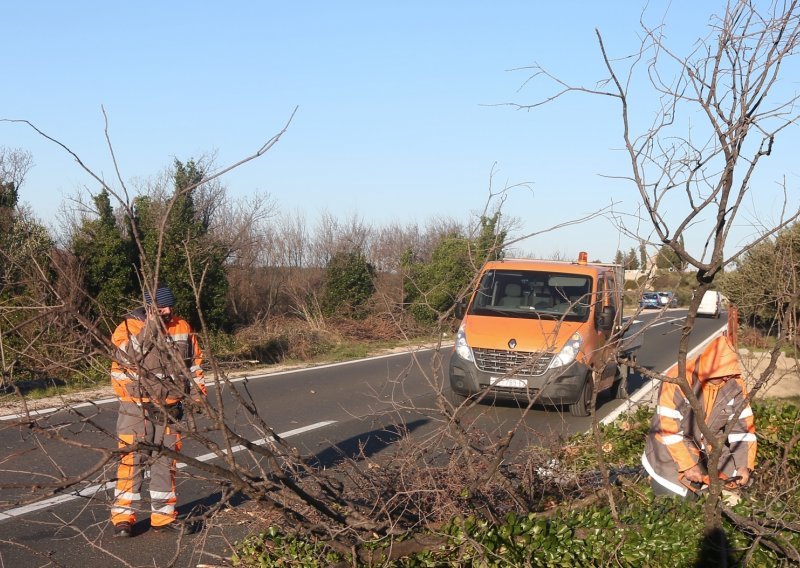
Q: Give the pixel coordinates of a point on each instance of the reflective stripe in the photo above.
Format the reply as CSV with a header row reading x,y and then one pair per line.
x,y
667,484
748,437
120,376
180,336
195,368
672,439
746,413
163,495
121,511
127,496
669,412
165,510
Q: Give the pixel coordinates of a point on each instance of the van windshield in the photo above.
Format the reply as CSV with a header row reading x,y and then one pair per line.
x,y
533,294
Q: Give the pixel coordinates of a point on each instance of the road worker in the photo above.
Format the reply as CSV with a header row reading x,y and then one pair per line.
x,y
676,454
155,367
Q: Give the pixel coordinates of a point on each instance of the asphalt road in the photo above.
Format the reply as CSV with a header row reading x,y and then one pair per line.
x,y
323,411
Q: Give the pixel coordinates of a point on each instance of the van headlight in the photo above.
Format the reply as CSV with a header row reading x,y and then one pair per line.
x,y
462,349
568,353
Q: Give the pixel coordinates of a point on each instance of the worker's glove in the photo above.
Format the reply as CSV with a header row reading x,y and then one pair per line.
x,y
745,477
695,474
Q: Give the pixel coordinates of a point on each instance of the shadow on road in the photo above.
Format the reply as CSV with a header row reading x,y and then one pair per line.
x,y
365,445
356,448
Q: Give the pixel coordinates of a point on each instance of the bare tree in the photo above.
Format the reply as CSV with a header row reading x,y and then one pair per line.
x,y
243,226
729,90
14,166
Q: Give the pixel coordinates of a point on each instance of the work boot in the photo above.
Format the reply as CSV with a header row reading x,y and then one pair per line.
x,y
123,530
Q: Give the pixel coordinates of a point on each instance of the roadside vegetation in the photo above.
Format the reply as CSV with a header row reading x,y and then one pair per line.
x,y
264,287
570,522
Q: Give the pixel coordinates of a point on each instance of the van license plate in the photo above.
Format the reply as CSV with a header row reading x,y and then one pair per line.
x,y
507,382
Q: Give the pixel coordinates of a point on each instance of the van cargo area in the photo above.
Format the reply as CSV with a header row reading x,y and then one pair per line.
x,y
710,304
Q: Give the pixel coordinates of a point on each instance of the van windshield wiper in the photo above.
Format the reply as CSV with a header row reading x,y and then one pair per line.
x,y
493,310
514,312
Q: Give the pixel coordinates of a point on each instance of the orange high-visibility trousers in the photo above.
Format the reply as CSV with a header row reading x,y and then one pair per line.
x,y
134,425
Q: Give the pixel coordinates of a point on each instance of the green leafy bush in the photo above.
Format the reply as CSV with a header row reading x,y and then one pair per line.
x,y
349,284
274,547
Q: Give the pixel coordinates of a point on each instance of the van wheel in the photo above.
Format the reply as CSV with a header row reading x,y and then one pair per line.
x,y
581,406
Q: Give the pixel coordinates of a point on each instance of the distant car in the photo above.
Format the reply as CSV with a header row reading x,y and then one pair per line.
x,y
668,299
710,305
650,300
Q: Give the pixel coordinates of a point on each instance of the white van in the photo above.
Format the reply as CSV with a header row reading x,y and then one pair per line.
x,y
710,304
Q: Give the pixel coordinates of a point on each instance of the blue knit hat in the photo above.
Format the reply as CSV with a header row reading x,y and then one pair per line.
x,y
164,297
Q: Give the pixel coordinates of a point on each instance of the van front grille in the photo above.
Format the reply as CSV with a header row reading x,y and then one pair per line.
x,y
503,362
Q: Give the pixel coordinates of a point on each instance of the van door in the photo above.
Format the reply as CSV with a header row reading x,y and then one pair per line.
x,y
606,365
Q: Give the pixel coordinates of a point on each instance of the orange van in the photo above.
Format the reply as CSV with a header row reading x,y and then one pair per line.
x,y
541,331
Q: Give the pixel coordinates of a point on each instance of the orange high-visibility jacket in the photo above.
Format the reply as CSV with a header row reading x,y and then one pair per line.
x,y
126,367
675,443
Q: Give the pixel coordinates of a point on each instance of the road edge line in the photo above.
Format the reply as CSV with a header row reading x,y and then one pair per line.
x,y
52,409
651,385
94,489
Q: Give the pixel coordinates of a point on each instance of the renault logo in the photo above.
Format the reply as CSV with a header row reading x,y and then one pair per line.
x,y
512,343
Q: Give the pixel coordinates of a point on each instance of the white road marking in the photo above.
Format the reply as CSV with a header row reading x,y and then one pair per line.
x,y
94,489
44,411
669,321
263,441
211,383
330,365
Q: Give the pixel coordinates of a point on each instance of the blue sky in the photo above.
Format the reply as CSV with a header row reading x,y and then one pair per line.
x,y
397,104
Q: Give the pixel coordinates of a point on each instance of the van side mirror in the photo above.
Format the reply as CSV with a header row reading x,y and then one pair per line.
x,y
605,321
460,309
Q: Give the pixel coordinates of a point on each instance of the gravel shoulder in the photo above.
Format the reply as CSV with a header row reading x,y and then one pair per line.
x,y
784,382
